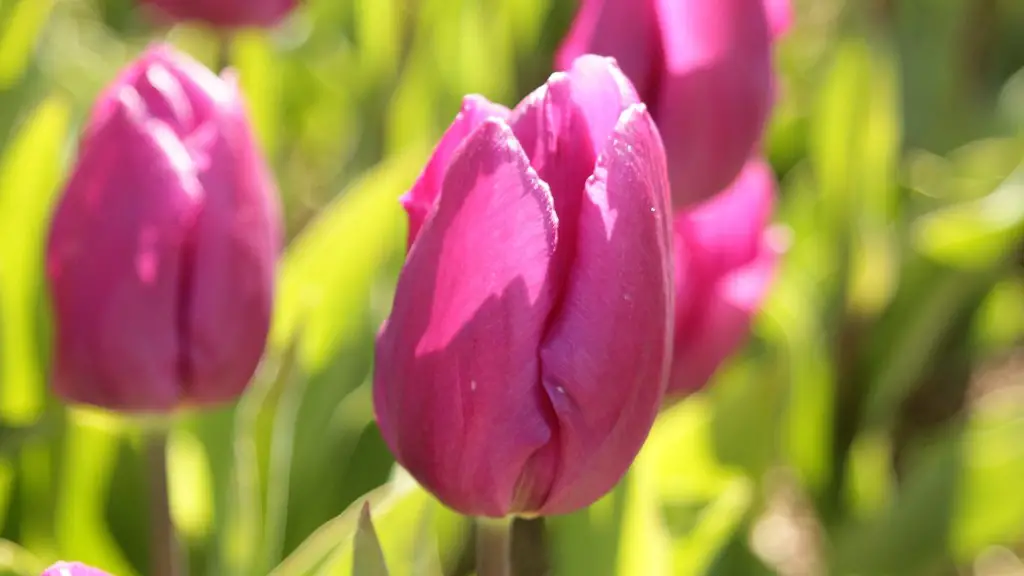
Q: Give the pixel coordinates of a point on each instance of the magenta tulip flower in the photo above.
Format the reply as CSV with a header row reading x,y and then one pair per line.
x,y
529,345
704,67
162,250
73,569
225,13
726,258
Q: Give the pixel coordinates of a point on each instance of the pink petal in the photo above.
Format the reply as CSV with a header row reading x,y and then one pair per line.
x,y
114,262
563,126
780,16
716,94
73,569
174,87
729,260
233,252
226,13
626,30
456,388
606,357
725,231
420,199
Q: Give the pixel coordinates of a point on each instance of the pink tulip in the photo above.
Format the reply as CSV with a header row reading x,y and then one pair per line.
x,y
704,67
225,13
73,569
528,348
780,16
162,250
725,264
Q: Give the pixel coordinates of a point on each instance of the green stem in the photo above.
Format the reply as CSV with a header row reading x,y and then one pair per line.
x,y
165,559
223,52
494,547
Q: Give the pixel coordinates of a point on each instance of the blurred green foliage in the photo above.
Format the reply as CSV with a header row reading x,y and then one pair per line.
x,y
873,425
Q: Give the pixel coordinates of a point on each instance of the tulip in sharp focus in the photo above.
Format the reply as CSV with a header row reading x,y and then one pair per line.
x,y
726,258
162,249
528,348
704,67
73,569
225,13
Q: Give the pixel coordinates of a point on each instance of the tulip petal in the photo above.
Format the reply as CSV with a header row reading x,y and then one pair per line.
x,y
456,388
420,199
182,92
725,231
563,126
717,91
627,30
724,322
114,262
729,260
233,250
73,569
226,13
780,17
605,359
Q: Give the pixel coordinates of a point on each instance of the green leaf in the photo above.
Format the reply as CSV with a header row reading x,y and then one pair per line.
x,y
367,557
19,35
960,496
190,484
976,234
18,560
260,76
400,507
701,502
855,137
30,171
989,503
326,276
588,542
426,561
749,402
910,534
83,488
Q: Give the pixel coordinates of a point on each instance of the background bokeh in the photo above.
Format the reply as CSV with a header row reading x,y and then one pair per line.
x,y
874,424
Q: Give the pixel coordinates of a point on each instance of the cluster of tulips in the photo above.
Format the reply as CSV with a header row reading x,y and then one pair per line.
x,y
574,262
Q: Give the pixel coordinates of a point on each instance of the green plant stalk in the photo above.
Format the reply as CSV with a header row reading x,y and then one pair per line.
x,y
164,552
223,52
494,546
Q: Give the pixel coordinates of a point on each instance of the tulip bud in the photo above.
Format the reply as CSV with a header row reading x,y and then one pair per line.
x,y
528,348
225,13
73,569
162,249
704,67
725,264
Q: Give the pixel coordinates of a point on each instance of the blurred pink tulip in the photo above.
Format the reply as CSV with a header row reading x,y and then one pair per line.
x,y
73,569
225,13
725,264
780,16
529,344
162,250
704,67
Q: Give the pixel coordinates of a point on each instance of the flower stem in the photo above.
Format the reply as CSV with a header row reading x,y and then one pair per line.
x,y
494,546
164,554
223,52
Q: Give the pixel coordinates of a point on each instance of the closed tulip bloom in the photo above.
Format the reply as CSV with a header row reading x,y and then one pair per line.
x,y
704,67
528,348
73,569
726,257
225,13
162,249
